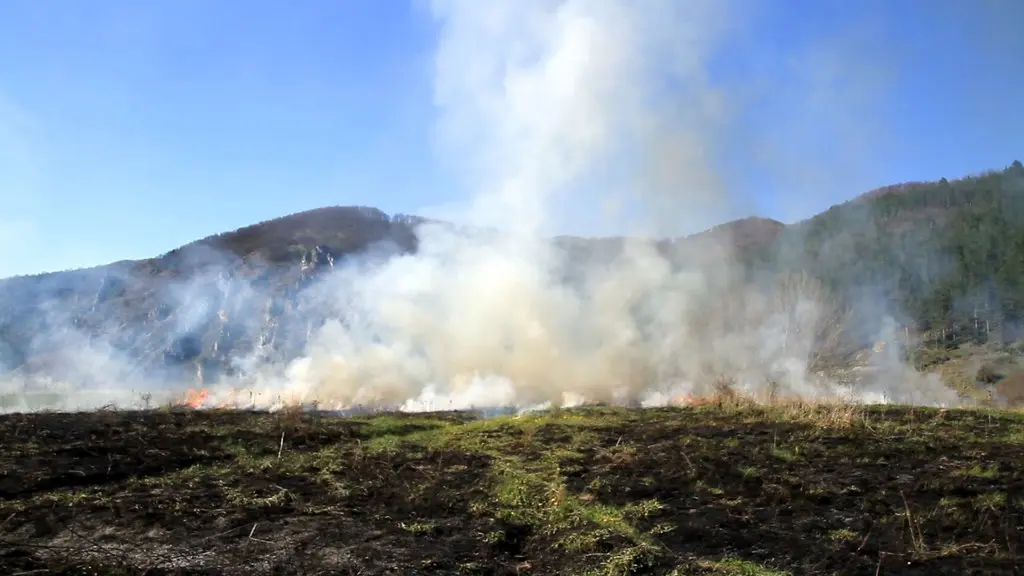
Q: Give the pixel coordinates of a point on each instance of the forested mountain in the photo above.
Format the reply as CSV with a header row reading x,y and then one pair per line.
x,y
939,255
944,259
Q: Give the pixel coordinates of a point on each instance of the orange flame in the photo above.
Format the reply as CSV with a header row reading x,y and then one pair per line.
x,y
195,398
689,400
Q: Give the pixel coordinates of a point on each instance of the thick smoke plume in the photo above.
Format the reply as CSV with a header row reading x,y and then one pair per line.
x,y
553,111
548,105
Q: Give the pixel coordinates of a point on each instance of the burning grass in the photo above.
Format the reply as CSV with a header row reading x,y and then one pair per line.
x,y
728,487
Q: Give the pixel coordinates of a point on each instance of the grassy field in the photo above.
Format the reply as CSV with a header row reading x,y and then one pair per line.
x,y
722,489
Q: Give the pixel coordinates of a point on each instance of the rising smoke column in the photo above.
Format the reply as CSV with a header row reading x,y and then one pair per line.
x,y
536,100
551,111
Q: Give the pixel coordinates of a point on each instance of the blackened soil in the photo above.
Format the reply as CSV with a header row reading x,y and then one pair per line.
x,y
602,491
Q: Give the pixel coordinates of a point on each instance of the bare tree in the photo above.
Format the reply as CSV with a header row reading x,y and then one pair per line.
x,y
815,322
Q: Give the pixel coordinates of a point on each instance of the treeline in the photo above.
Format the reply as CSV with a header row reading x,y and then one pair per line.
x,y
945,259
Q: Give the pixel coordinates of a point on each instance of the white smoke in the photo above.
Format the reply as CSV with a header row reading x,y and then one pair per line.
x,y
550,108
537,98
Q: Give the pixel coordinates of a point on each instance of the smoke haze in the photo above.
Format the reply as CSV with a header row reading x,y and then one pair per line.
x,y
555,111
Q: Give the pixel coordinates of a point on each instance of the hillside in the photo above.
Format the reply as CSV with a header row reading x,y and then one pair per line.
x,y
944,259
947,254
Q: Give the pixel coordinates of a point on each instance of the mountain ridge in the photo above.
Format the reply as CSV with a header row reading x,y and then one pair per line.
x,y
229,241
753,227
944,256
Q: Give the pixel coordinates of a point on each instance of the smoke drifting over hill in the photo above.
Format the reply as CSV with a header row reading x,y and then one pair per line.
x,y
542,106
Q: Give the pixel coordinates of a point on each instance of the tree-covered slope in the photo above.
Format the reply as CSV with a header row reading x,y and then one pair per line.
x,y
947,254
944,260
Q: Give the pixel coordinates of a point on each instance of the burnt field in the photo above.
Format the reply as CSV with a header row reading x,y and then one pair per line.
x,y
716,489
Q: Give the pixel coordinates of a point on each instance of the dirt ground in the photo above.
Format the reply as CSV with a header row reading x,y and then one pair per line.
x,y
715,490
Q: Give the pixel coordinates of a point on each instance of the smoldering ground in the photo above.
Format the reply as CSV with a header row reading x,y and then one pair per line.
x,y
547,110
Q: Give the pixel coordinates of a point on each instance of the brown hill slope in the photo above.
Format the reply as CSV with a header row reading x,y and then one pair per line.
x,y
886,254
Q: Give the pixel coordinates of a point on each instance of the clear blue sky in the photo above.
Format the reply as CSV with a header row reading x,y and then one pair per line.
x,y
130,127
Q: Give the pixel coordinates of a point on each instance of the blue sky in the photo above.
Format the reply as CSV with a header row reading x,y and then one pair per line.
x,y
129,128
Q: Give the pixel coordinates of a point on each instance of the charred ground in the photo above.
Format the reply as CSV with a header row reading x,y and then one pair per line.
x,y
721,489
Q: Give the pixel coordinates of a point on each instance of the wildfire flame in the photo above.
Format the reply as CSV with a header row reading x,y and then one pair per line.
x,y
689,400
201,398
195,398
198,398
